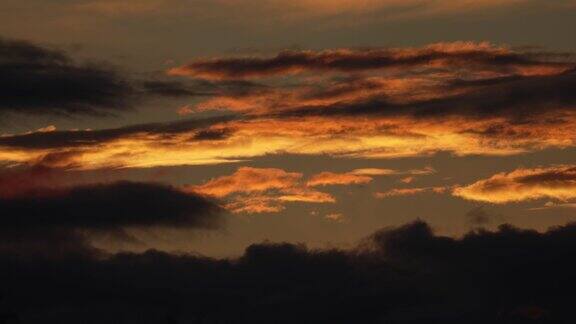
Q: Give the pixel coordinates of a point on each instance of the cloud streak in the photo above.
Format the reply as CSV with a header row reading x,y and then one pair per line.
x,y
471,56
402,192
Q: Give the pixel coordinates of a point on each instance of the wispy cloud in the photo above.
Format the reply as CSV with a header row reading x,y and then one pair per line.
x,y
400,192
464,55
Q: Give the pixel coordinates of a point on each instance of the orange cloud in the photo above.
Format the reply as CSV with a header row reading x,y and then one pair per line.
x,y
300,194
391,103
255,205
248,180
373,172
410,192
255,190
330,178
359,176
557,182
350,137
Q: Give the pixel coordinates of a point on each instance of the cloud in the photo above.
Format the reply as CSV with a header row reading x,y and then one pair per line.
x,y
397,275
554,206
519,99
299,194
234,138
275,201
57,139
359,176
38,80
45,215
399,192
374,172
496,107
107,206
330,178
556,182
267,190
260,190
464,55
247,180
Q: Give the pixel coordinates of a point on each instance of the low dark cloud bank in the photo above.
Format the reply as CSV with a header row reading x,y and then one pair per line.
x,y
59,220
105,206
402,275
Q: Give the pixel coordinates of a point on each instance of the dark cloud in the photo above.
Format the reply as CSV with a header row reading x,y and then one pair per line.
x,y
35,79
39,80
199,88
213,134
457,55
107,206
174,89
515,97
527,96
403,275
43,217
78,138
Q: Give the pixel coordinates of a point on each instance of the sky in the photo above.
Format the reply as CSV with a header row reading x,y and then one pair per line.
x,y
330,135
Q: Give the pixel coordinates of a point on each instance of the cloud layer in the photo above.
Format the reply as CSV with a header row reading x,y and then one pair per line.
x,y
464,98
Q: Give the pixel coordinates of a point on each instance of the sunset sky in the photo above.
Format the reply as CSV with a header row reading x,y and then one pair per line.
x,y
203,127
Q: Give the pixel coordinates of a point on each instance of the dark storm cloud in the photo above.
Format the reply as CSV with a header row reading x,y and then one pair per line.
x,y
103,207
78,138
50,212
403,275
35,79
464,55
